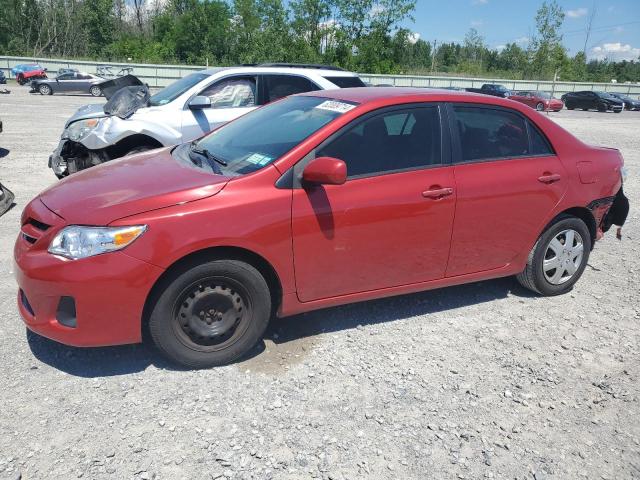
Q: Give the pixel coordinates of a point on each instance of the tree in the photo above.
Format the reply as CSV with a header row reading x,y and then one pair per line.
x,y
547,42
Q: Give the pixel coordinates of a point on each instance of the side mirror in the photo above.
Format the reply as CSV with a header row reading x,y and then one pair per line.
x,y
325,171
199,102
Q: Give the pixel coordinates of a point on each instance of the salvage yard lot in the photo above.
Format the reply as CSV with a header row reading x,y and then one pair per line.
x,y
477,381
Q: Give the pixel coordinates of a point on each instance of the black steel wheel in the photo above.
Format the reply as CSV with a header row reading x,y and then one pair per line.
x,y
210,314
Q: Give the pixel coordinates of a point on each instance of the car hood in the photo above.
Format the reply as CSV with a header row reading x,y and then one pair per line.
x,y
125,187
93,110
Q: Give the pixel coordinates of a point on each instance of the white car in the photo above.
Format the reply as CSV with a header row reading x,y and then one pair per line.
x,y
183,111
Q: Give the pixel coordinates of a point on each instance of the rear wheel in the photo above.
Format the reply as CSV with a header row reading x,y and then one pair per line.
x,y
95,91
602,107
558,258
540,107
211,314
45,90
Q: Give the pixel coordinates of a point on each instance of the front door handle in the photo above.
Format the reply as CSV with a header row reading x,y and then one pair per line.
x,y
437,193
549,178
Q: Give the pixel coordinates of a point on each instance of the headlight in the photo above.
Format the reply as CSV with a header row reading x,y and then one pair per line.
x,y
80,129
76,242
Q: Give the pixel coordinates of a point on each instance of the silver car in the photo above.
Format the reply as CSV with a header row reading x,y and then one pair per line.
x,y
69,82
183,111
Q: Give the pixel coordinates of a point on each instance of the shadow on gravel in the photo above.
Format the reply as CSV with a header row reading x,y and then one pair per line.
x,y
127,359
392,309
3,152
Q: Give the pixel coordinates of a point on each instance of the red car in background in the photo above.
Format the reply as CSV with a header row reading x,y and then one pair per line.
x,y
320,199
24,73
541,101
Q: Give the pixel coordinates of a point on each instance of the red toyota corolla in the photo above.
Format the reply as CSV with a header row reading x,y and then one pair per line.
x,y
541,101
320,199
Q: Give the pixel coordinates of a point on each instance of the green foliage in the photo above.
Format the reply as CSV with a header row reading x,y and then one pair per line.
x,y
360,35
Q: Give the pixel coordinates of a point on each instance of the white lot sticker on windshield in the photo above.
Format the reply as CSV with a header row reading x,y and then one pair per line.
x,y
258,159
335,106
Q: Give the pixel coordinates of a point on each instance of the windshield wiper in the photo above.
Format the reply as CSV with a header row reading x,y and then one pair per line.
x,y
203,152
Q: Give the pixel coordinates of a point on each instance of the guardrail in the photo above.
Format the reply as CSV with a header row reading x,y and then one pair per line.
x,y
162,75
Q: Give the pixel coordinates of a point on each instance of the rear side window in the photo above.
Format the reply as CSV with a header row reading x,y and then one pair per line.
x,y
279,86
539,144
487,133
388,142
346,82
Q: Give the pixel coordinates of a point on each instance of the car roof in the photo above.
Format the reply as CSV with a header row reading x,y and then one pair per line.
x,y
304,71
363,95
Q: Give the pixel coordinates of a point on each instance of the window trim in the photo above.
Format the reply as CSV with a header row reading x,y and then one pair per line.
x,y
456,142
292,178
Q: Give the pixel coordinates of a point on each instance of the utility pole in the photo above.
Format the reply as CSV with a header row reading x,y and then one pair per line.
x,y
433,56
592,15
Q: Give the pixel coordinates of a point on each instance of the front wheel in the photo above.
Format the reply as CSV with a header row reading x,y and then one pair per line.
x,y
540,107
45,90
558,258
95,91
20,79
211,314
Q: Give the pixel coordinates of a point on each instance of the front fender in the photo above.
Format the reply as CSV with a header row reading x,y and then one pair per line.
x,y
112,130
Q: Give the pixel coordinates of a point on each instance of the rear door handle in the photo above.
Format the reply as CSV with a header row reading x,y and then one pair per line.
x,y
438,193
549,178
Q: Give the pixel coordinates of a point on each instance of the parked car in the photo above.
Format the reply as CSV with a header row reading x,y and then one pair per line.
x,y
629,103
493,89
3,78
319,199
70,82
186,109
541,101
28,71
589,100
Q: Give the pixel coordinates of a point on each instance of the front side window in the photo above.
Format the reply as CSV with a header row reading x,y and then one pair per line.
x,y
260,137
235,92
173,91
396,140
487,133
279,86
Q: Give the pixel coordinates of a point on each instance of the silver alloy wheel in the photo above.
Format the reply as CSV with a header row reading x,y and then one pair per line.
x,y
95,91
540,107
45,89
563,257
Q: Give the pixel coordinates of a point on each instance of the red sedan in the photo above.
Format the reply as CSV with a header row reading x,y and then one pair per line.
x,y
316,200
541,101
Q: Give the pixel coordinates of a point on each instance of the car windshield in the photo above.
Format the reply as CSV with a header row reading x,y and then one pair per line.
x,y
605,95
543,94
173,91
258,138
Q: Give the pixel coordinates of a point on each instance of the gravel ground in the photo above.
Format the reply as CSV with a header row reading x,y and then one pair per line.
x,y
478,381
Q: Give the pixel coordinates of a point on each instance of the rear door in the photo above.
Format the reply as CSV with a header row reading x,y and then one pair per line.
x,y
508,181
387,225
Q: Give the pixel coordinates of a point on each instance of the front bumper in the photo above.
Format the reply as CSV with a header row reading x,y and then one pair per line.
x,y
108,291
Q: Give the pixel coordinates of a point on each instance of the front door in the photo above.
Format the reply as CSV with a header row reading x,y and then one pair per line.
x,y
230,98
508,182
390,223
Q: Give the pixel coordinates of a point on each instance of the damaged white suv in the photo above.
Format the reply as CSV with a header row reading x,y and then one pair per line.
x,y
183,111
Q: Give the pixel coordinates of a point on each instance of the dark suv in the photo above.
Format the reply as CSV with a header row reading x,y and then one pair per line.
x,y
589,100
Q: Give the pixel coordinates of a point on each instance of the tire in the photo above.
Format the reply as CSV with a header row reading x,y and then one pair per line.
x,y
602,108
45,90
617,111
95,91
549,281
210,314
569,106
20,79
540,107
